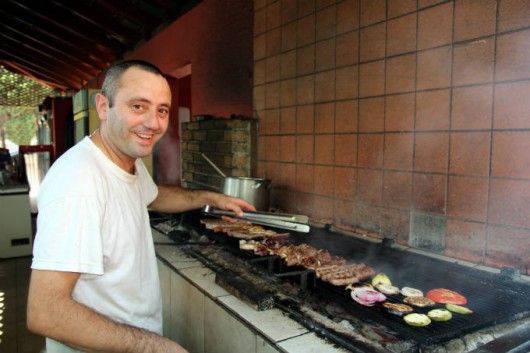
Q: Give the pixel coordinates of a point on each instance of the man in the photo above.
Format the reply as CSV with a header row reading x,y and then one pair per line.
x,y
94,285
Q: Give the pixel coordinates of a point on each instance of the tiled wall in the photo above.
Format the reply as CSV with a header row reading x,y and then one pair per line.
x,y
407,119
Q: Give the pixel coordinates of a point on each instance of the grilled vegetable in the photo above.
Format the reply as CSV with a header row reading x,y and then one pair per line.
x,y
459,309
446,296
387,288
411,292
397,309
440,314
367,296
419,301
417,320
381,278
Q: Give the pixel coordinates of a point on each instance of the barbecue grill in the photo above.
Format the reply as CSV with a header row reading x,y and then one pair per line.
x,y
494,298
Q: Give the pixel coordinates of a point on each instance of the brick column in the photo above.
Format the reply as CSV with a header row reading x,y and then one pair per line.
x,y
229,143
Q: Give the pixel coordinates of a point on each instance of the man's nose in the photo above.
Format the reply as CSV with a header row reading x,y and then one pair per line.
x,y
152,121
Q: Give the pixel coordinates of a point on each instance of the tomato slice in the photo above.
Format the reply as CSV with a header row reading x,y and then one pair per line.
x,y
446,296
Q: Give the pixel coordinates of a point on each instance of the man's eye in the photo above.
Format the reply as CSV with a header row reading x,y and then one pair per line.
x,y
163,111
137,106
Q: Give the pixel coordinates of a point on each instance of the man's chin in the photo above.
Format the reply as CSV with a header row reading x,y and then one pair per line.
x,y
143,150
143,153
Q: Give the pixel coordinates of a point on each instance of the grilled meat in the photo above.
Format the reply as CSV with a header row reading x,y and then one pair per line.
x,y
329,268
344,274
307,256
240,229
262,247
221,225
250,233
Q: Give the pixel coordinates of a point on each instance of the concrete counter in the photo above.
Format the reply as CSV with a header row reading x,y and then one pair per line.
x,y
203,317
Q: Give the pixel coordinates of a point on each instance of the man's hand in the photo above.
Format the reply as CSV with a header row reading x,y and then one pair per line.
x,y
237,205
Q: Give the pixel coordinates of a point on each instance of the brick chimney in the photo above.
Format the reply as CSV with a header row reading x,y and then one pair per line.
x,y
229,143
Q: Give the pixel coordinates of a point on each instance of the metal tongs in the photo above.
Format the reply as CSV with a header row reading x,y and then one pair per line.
x,y
297,223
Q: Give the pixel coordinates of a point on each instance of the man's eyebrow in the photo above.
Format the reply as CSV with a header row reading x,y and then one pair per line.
x,y
145,100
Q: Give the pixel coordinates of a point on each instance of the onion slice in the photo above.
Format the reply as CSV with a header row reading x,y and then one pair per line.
x,y
367,296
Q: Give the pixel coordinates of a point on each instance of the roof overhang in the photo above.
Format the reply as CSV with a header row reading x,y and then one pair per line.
x,y
64,44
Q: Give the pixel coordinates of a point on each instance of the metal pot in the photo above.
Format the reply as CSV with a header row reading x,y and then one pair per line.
x,y
254,190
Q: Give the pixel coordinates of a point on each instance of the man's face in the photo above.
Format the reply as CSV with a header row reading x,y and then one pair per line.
x,y
140,114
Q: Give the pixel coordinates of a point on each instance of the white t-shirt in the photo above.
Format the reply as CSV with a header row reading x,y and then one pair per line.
x,y
93,220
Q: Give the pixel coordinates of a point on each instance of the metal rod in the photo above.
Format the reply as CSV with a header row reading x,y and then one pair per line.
x,y
213,165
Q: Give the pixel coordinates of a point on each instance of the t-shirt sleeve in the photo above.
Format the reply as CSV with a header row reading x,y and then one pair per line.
x,y
68,236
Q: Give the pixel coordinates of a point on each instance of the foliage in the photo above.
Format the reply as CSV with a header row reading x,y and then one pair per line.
x,y
19,123
19,100
18,90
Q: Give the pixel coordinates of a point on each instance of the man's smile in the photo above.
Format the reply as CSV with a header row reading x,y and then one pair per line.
x,y
144,136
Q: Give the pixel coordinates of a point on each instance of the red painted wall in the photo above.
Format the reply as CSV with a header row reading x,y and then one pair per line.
x,y
216,38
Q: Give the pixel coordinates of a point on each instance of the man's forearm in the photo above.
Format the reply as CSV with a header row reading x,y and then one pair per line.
x,y
100,334
174,199
79,327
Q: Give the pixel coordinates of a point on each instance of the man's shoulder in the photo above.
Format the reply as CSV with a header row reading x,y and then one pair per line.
x,y
77,168
80,157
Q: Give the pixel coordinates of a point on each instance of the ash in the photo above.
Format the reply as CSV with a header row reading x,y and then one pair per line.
x,y
333,317
326,314
475,340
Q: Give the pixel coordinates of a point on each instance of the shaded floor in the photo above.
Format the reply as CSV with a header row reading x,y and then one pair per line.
x,y
14,280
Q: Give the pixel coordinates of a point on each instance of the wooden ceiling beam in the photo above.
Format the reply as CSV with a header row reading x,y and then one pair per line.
x,y
48,35
67,43
43,16
39,72
62,40
166,6
38,57
93,13
133,14
53,46
11,66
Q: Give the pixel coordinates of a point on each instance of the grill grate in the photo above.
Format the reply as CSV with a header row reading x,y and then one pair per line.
x,y
487,312
436,332
493,298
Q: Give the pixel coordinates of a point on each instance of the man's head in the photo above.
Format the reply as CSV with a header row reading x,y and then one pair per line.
x,y
133,109
111,84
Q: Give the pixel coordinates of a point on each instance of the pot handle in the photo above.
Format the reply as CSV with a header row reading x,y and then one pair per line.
x,y
258,185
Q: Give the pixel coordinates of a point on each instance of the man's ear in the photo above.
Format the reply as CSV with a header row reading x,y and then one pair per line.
x,y
102,106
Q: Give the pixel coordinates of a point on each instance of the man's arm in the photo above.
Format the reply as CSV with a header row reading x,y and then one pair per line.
x,y
53,313
176,199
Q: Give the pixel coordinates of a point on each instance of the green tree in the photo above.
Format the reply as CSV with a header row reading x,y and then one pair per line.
x,y
18,90
21,126
19,100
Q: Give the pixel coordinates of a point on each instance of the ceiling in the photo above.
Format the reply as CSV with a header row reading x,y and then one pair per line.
x,y
64,44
